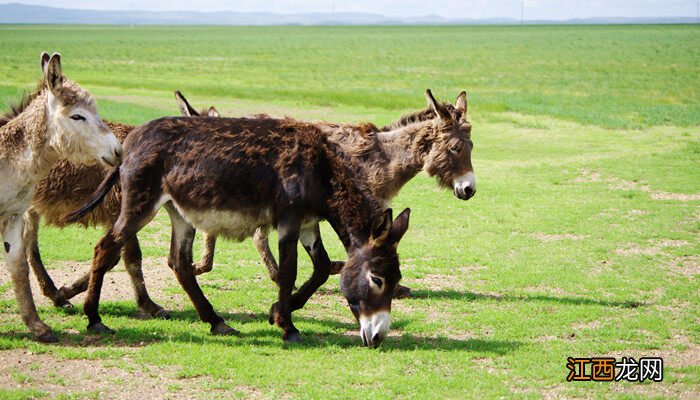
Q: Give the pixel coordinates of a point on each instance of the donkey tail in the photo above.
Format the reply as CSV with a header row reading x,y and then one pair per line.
x,y
96,198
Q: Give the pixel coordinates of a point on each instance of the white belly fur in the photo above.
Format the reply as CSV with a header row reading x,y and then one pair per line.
x,y
232,225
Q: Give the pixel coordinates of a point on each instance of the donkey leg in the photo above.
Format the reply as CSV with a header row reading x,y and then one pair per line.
x,y
310,238
181,254
31,241
207,262
262,243
16,263
105,258
131,253
281,312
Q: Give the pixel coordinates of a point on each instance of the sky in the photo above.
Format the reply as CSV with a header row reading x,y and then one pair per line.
x,y
533,9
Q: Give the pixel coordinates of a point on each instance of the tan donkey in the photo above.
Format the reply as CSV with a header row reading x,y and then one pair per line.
x,y
58,120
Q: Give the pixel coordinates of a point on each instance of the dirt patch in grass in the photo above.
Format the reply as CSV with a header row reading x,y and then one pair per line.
x,y
437,282
117,285
121,379
602,267
686,265
654,249
546,238
587,176
586,325
675,196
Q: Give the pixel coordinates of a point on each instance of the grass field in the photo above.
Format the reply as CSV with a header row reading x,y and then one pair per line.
x,y
581,241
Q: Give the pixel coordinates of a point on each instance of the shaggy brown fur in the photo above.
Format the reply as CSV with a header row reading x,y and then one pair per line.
x,y
386,164
66,188
378,161
229,176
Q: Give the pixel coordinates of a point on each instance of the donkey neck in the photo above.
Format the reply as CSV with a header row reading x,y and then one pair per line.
x,y
398,158
350,204
25,141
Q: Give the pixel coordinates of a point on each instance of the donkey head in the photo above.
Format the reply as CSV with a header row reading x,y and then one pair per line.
x,y
449,157
371,275
77,132
188,111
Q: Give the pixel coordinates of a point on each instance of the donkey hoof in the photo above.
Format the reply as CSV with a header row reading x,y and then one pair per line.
x,y
221,329
62,303
100,328
292,337
161,314
201,269
46,337
402,292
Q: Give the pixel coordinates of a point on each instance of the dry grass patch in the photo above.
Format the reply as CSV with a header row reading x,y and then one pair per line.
x,y
587,176
117,285
122,380
686,265
546,238
654,249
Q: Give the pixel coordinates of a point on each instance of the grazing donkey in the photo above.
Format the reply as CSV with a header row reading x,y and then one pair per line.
x,y
66,188
58,120
232,175
387,161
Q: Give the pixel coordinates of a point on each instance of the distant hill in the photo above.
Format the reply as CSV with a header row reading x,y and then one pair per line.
x,y
15,13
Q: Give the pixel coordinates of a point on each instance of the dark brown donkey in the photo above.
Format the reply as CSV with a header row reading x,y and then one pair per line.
x,y
387,161
66,188
230,176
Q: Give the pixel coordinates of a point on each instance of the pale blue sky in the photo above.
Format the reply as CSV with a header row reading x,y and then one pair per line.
x,y
534,9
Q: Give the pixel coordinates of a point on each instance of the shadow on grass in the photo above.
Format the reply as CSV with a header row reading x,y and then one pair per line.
x,y
258,333
271,337
471,296
232,318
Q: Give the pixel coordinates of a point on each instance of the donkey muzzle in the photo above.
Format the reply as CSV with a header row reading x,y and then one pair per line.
x,y
374,328
465,186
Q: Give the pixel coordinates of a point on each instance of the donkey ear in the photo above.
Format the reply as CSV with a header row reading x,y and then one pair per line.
x,y
54,74
461,104
399,226
44,61
381,228
185,107
437,107
212,112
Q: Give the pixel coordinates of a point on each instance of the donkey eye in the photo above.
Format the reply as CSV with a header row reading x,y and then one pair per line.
x,y
377,281
77,117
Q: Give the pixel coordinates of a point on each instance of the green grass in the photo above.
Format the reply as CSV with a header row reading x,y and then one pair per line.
x,y
577,243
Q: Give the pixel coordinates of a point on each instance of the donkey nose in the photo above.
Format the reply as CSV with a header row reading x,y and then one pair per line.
x,y
464,193
118,154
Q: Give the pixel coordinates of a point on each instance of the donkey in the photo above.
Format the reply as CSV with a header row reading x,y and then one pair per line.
x,y
296,174
230,176
58,120
388,162
65,189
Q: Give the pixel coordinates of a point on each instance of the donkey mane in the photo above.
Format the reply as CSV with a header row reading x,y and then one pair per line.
x,y
361,139
418,116
24,102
